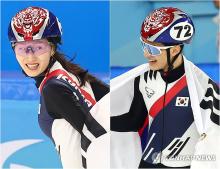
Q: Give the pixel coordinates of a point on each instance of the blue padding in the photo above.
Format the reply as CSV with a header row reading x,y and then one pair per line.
x,y
15,86
18,89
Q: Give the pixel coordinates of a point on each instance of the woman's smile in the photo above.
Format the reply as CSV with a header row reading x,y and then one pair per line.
x,y
32,66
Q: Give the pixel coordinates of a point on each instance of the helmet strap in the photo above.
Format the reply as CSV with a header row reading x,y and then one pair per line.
x,y
169,62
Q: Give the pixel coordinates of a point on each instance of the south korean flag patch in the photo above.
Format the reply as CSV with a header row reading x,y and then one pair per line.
x,y
182,101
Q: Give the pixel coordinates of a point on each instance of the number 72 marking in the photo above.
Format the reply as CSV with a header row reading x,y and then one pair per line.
x,y
181,31
180,28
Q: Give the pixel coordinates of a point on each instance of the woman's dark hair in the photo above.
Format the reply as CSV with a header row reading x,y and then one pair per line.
x,y
82,75
75,69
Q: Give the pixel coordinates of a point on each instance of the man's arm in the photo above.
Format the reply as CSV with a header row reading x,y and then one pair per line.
x,y
134,119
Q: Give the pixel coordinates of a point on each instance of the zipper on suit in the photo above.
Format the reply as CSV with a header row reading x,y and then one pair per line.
x,y
163,114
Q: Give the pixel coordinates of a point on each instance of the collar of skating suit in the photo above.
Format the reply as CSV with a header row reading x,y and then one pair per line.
x,y
61,74
174,74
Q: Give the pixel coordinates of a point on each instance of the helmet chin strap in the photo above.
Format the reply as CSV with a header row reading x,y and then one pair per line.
x,y
171,62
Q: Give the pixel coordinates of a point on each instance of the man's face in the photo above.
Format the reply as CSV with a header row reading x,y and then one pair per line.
x,y
159,60
156,62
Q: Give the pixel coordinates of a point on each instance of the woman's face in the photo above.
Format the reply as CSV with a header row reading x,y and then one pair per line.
x,y
33,56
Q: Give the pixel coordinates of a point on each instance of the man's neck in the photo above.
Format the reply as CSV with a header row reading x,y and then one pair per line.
x,y
176,64
174,74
